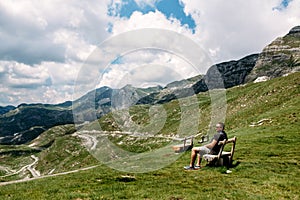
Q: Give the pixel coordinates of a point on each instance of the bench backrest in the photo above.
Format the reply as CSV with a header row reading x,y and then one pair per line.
x,y
224,142
233,141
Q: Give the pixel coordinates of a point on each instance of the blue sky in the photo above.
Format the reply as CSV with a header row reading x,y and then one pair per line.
x,y
284,4
170,8
44,43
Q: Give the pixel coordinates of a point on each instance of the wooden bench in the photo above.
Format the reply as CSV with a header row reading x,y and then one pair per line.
x,y
224,158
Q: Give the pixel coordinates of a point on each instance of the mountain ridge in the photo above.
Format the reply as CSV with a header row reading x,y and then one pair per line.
x,y
25,122
17,126
263,116
279,58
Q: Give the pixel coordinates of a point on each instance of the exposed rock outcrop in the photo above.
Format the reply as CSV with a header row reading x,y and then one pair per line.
x,y
232,73
222,75
280,57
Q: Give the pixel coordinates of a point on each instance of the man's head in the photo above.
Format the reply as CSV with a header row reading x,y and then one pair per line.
x,y
220,126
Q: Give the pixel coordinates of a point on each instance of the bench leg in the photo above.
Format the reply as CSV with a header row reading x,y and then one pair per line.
x,y
225,161
221,162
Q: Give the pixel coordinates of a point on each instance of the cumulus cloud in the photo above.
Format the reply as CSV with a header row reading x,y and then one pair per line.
x,y
46,44
133,61
19,75
31,29
150,20
43,46
233,29
145,67
44,83
225,30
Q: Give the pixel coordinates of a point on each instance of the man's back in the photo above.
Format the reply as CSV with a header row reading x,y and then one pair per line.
x,y
219,136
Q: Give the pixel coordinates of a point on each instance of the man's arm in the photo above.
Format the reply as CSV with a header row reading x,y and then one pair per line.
x,y
212,144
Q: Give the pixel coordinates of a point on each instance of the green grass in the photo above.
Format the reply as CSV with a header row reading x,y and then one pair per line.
x,y
56,148
65,154
13,157
266,160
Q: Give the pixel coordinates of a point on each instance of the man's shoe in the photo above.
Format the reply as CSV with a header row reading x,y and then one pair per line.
x,y
197,167
188,168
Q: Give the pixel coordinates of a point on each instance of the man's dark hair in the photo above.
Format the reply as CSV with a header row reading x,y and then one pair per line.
x,y
222,124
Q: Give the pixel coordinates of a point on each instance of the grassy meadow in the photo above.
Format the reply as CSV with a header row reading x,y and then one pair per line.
x,y
264,117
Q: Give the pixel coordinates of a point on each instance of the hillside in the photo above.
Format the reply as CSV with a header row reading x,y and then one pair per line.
x,y
22,124
264,117
6,109
27,121
40,143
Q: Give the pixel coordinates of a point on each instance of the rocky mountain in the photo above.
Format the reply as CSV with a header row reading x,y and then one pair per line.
x,y
99,102
27,121
222,75
280,57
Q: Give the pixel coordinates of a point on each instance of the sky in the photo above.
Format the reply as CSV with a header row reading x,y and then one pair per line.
x,y
48,48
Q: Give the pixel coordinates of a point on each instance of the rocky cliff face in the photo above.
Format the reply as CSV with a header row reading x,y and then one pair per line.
x,y
232,73
222,75
280,57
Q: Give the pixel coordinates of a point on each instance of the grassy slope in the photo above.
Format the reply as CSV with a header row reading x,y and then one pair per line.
x,y
58,151
267,158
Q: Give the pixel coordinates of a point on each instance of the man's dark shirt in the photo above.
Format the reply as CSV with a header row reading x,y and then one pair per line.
x,y
219,136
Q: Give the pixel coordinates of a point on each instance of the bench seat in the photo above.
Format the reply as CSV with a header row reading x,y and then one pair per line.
x,y
224,157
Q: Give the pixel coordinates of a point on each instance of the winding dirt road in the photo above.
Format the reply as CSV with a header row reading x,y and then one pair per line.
x,y
29,167
46,176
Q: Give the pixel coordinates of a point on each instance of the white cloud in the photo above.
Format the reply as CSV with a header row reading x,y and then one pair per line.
x,y
44,44
76,48
19,75
233,29
150,20
44,83
147,67
57,94
2,69
62,73
172,67
38,24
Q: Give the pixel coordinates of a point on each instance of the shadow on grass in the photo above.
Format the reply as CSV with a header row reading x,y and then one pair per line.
x,y
16,152
224,168
235,164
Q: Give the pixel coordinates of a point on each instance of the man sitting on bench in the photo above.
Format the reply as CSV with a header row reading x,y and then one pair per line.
x,y
212,148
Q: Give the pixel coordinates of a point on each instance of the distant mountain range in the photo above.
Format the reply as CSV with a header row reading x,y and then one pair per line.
x,y
6,109
21,124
